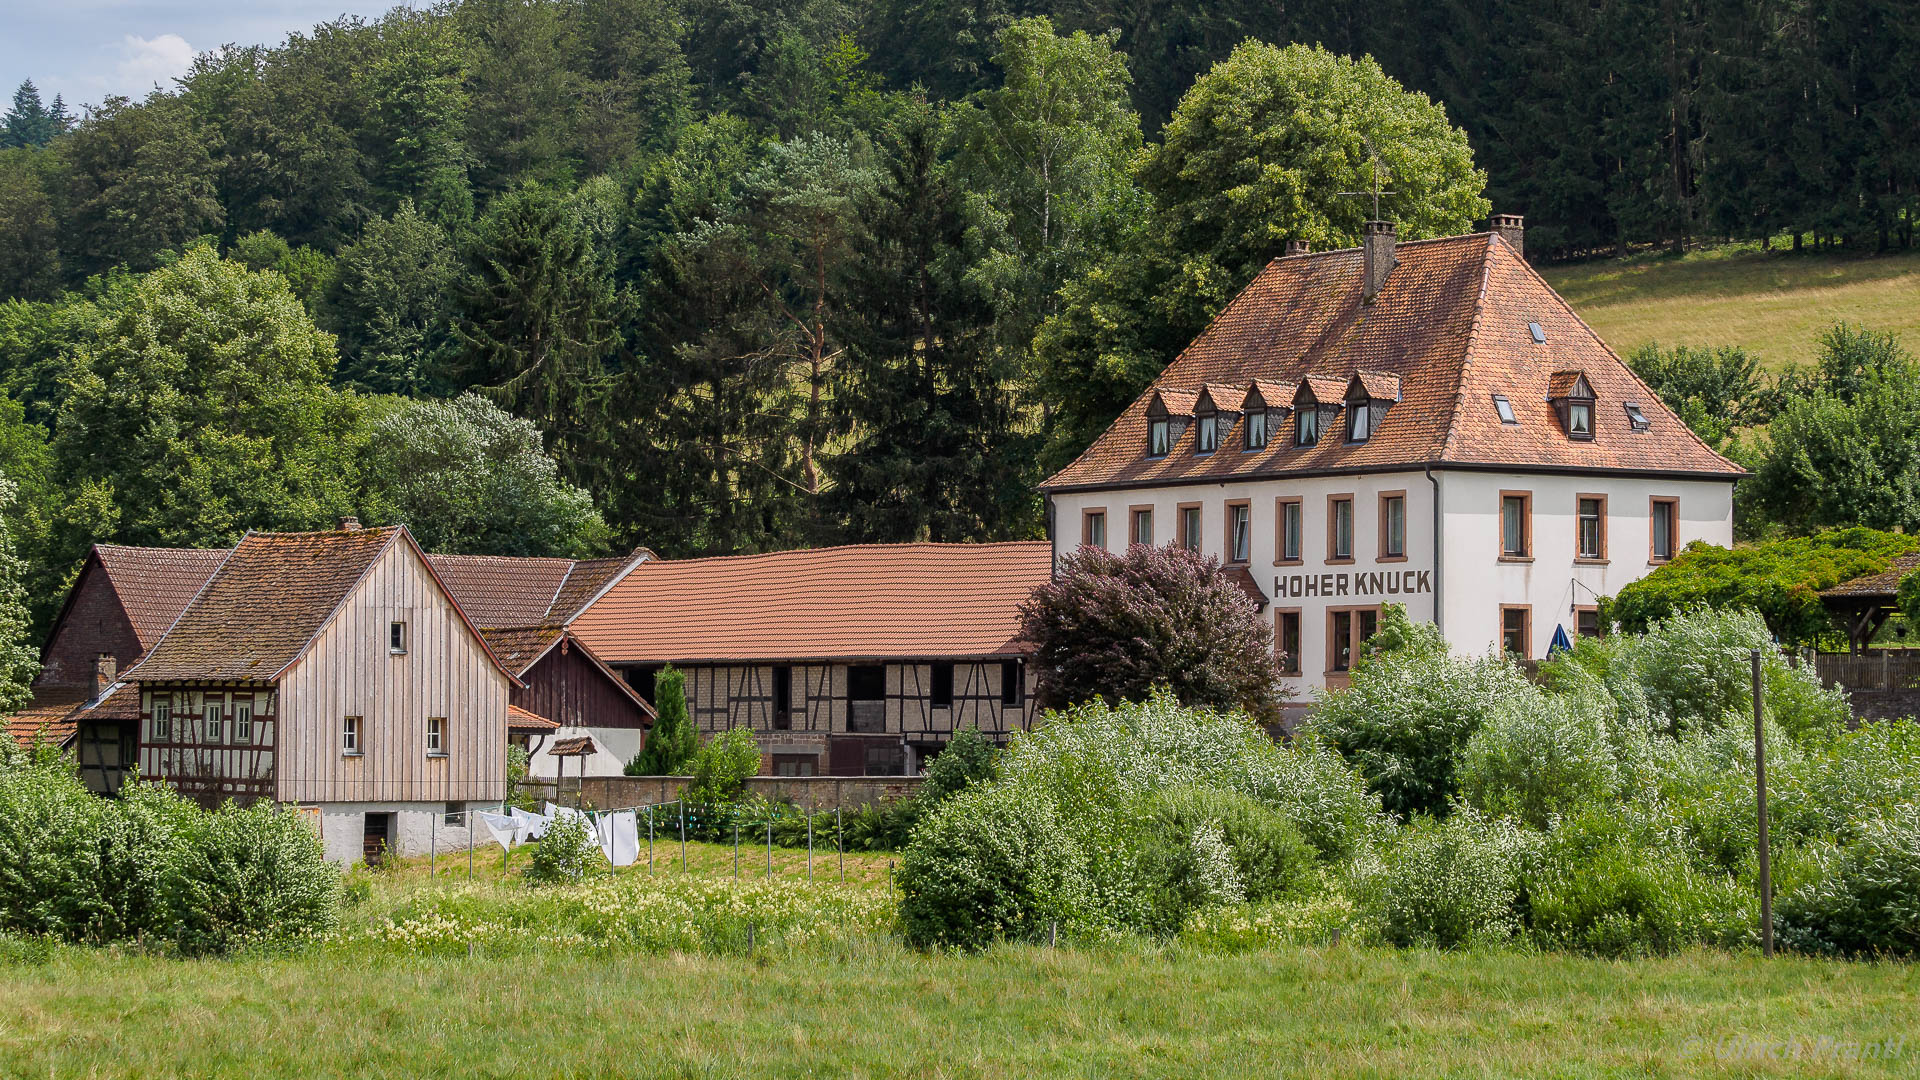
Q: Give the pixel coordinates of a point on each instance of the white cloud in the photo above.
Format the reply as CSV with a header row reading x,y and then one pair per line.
x,y
145,62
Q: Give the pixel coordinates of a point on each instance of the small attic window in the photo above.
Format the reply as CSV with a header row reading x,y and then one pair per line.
x,y
1256,429
1207,438
1539,333
1505,408
1157,440
1572,398
1637,418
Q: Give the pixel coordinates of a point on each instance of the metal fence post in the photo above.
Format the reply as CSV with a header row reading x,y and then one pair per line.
x,y
769,845
469,820
1760,805
736,849
649,838
840,841
683,836
809,843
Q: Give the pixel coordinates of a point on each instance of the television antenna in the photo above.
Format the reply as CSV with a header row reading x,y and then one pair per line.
x,y
1379,175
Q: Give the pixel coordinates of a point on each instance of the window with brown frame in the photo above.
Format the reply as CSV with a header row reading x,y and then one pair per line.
x,y
1142,525
1288,531
1393,526
1093,528
1188,535
1516,525
1239,531
1286,640
1516,630
1586,621
1590,528
1347,629
795,764
1664,523
1339,528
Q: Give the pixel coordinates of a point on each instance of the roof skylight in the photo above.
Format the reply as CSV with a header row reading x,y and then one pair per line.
x,y
1539,333
1637,418
1505,408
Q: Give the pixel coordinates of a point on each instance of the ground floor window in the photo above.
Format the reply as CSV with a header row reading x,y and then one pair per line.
x,y
1286,641
1347,630
1516,630
886,759
1586,621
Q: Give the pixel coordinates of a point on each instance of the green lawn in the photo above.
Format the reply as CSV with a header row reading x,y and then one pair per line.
x,y
873,1009
859,1004
1775,305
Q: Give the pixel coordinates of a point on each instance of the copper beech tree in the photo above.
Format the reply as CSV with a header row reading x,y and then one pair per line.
x,y
1113,627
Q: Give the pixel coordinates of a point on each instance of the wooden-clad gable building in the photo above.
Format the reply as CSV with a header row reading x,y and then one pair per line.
x,y
332,670
857,660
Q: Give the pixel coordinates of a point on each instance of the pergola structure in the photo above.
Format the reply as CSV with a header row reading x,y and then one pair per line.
x,y
1864,604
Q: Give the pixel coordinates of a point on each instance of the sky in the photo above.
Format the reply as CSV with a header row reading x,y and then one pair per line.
x,y
85,50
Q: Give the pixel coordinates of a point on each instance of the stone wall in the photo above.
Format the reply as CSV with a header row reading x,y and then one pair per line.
x,y
820,792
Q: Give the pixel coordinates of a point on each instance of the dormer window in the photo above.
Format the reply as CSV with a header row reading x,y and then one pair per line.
x,y
1256,429
1316,405
1572,398
1157,441
1167,415
1207,436
1637,418
1307,427
1369,395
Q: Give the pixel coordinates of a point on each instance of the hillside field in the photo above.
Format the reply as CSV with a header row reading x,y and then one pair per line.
x,y
859,1004
1774,304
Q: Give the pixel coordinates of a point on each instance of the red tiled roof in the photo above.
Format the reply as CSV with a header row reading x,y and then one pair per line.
x,y
1451,323
156,584
520,647
512,590
1248,584
266,602
1379,385
1225,398
1325,389
519,719
578,746
1562,383
861,602
48,716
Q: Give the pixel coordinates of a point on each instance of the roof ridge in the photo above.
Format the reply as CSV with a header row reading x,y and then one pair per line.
x,y
900,546
572,565
194,599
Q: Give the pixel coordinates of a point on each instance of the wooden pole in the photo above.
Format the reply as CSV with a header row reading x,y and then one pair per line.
x,y
1760,803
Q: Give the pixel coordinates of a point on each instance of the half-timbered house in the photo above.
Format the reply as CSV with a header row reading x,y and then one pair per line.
x,y
859,660
120,605
330,670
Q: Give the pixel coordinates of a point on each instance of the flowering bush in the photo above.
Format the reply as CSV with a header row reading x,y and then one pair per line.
x,y
1409,710
1446,884
1865,897
257,876
1538,755
993,862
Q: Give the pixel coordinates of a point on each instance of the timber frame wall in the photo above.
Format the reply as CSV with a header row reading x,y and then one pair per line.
x,y
742,695
210,771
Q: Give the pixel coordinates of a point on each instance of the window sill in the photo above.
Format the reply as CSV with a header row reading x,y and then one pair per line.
x,y
1516,558
437,754
396,652
353,753
1289,562
1348,561
1391,558
1592,562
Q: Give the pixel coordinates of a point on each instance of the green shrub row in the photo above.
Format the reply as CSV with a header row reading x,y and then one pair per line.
x,y
152,867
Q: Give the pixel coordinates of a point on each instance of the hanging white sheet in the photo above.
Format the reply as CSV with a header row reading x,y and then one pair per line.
x,y
532,826
624,848
505,832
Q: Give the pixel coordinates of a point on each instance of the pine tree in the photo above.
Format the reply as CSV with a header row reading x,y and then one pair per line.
x,y
28,123
672,742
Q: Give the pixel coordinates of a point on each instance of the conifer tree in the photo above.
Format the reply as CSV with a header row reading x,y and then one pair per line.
x,y
672,742
28,123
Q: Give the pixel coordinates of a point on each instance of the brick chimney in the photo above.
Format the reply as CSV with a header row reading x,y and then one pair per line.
x,y
1513,229
1380,261
106,670
349,523
1296,248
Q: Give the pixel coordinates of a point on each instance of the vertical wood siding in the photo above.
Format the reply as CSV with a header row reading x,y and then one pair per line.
x,y
571,690
348,671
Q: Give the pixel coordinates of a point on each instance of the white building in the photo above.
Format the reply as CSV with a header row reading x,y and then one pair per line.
x,y
1426,424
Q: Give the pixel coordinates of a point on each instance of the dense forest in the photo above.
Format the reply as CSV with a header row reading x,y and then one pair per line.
x,y
715,276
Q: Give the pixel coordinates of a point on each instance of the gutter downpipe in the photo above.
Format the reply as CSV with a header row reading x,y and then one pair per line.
x,y
1439,577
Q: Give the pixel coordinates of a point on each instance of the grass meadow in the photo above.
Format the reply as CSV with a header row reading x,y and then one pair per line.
x,y
542,992
1774,304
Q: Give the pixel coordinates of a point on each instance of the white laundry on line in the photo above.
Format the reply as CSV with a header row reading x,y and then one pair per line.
x,y
503,828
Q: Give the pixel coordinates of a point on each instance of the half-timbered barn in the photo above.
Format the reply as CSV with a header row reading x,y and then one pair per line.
x,y
845,661
120,605
331,670
525,608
